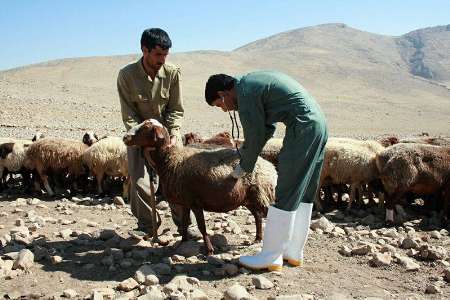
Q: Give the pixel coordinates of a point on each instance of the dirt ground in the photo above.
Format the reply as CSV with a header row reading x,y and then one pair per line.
x,y
95,228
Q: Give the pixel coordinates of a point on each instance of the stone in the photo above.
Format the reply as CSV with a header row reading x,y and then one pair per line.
x,y
118,201
151,280
188,248
219,241
198,294
447,274
25,260
162,269
432,289
388,248
435,235
409,243
361,250
65,234
101,293
19,223
262,283
290,297
339,231
215,260
237,292
408,263
177,295
323,223
69,293
381,259
345,251
128,285
412,252
55,259
184,283
151,293
231,269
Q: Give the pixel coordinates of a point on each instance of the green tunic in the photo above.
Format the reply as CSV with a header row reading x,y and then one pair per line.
x,y
142,98
265,98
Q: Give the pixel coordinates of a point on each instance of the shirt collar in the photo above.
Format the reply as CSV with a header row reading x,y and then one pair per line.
x,y
161,72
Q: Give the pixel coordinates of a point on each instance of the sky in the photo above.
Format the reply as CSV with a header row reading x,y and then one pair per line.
x,y
33,31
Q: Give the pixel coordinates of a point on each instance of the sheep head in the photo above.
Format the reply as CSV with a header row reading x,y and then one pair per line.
x,y
192,138
90,138
5,149
148,134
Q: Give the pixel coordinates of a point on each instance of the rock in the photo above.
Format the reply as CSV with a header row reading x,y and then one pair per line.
x,y
235,228
432,253
177,295
151,293
197,294
231,269
215,260
151,280
435,235
101,293
412,252
184,283
162,269
13,295
69,293
338,230
188,248
55,259
361,250
345,251
262,283
381,259
408,263
118,201
388,248
25,260
19,223
128,285
65,234
409,243
219,241
323,224
447,274
237,292
432,289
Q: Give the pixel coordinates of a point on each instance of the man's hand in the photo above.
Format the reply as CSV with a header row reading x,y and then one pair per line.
x,y
238,172
173,140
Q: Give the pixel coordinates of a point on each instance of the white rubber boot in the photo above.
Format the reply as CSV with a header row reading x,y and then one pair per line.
x,y
277,234
294,251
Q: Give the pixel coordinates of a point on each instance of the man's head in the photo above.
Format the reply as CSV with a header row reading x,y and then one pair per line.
x,y
220,92
155,45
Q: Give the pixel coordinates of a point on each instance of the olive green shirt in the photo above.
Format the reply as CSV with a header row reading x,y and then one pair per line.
x,y
142,98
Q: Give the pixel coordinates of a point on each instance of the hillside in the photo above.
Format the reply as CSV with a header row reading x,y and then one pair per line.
x,y
367,84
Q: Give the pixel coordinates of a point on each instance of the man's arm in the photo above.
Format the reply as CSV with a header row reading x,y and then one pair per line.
x,y
129,115
174,112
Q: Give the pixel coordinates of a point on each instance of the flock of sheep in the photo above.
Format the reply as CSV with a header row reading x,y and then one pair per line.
x,y
393,171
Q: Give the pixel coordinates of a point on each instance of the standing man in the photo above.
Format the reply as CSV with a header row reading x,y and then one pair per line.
x,y
149,88
263,99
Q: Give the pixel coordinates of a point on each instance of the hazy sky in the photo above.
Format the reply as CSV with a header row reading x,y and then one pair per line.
x,y
34,31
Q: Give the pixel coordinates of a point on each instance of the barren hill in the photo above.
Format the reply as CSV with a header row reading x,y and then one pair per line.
x,y
367,84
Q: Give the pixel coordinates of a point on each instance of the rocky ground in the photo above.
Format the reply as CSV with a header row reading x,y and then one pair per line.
x,y
79,248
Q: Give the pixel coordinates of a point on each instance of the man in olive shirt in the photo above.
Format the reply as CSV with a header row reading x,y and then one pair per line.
x,y
149,88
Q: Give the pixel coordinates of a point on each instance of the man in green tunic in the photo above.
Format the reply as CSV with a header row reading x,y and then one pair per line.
x,y
149,88
263,99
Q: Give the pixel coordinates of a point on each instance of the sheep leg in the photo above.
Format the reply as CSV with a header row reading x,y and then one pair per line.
x,y
44,179
99,178
352,196
185,213
258,222
200,218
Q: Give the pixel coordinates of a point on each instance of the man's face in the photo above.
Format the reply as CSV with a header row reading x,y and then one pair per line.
x,y
225,101
155,57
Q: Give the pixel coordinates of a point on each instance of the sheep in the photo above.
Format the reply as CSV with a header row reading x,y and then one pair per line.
x,y
200,179
108,156
90,138
12,156
413,168
349,161
63,156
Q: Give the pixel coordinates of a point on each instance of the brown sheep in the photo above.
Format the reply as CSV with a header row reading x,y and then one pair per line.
x,y
62,156
413,168
200,179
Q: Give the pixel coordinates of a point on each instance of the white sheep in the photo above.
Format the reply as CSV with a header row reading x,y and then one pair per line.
x,y
350,161
108,156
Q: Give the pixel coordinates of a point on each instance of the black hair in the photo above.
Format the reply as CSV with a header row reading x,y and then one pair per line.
x,y
215,83
153,37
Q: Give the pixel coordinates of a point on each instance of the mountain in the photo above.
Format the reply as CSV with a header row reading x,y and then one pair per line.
x,y
367,84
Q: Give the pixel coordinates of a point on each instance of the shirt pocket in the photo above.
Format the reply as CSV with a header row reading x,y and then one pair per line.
x,y
165,94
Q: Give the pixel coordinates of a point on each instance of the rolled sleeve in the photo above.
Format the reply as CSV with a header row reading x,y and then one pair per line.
x,y
174,112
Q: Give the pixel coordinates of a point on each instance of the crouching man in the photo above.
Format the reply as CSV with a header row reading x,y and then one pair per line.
x,y
263,99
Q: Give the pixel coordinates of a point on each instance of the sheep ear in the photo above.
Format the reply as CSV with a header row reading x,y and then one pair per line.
x,y
159,134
